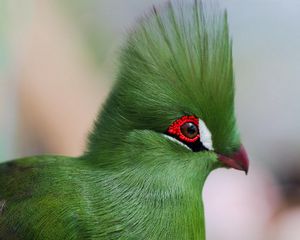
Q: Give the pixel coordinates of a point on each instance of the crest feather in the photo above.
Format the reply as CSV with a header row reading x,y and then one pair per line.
x,y
178,61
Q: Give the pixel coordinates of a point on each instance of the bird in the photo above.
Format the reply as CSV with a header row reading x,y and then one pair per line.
x,y
168,122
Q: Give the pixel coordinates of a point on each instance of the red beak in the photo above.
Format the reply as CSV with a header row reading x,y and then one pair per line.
x,y
239,160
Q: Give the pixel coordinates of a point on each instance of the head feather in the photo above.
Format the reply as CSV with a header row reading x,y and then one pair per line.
x,y
177,61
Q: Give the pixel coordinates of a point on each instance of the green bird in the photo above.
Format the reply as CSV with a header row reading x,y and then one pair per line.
x,y
168,122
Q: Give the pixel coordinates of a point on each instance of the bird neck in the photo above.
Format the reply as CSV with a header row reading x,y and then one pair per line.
x,y
157,206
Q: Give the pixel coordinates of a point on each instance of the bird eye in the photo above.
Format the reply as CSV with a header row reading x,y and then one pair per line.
x,y
190,130
185,129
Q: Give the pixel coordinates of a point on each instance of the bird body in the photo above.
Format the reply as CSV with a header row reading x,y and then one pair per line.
x,y
168,122
64,198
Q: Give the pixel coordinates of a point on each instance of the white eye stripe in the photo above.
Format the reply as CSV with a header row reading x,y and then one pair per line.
x,y
205,136
177,141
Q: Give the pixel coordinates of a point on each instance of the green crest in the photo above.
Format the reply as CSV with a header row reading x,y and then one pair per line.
x,y
177,61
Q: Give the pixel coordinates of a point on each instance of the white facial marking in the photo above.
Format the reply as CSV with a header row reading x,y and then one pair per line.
x,y
205,136
175,140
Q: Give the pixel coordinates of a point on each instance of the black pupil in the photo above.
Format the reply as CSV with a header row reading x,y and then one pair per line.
x,y
189,130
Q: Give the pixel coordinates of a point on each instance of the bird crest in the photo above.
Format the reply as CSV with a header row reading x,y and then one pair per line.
x,y
177,61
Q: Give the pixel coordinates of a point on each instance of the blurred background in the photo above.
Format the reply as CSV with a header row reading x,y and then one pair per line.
x,y
58,59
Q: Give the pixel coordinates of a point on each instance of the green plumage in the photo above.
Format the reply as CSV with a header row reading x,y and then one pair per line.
x,y
132,182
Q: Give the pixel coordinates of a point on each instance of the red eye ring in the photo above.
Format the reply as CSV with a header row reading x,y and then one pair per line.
x,y
175,128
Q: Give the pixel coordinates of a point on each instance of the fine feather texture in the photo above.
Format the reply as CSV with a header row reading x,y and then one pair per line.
x,y
177,62
132,182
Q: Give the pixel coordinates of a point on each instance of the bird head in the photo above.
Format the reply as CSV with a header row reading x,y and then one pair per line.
x,y
173,103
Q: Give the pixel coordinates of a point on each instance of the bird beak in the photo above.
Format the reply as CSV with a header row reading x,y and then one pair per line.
x,y
238,160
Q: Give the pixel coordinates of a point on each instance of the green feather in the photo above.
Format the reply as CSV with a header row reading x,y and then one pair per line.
x,y
177,61
132,182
